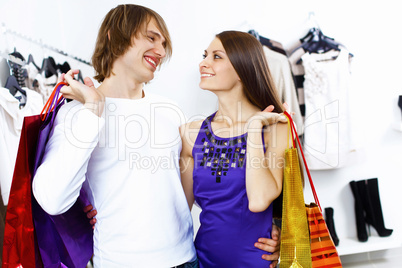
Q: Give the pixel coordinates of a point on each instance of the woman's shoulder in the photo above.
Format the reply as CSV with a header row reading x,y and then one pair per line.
x,y
192,127
277,131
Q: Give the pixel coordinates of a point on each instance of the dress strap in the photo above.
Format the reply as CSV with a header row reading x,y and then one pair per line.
x,y
263,140
209,118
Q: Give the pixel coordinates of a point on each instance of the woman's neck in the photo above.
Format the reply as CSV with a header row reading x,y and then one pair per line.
x,y
234,111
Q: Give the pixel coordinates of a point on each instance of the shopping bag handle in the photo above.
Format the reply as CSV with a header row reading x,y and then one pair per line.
x,y
51,102
294,134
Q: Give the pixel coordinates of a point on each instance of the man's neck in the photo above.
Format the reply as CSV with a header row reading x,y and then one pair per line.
x,y
113,87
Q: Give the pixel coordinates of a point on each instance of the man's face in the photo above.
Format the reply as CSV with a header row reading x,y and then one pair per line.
x,y
142,58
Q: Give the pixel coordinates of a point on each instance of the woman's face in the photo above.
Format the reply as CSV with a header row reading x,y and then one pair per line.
x,y
217,72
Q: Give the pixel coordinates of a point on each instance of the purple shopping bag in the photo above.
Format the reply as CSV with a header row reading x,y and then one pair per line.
x,y
64,240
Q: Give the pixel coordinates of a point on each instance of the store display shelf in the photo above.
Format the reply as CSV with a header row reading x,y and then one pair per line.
x,y
348,246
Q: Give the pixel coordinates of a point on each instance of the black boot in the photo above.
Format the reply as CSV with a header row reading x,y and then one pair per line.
x,y
374,215
329,220
359,213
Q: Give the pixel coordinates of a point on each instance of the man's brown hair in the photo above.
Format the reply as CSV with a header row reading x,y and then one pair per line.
x,y
119,27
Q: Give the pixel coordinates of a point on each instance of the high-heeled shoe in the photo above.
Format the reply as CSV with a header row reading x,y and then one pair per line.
x,y
359,214
368,190
329,220
375,217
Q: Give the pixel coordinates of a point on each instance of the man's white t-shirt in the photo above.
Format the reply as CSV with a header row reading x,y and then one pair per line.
x,y
128,162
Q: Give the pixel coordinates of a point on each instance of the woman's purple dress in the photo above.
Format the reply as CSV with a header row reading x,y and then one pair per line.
x,y
228,228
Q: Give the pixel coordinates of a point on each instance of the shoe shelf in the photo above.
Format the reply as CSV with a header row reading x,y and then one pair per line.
x,y
348,246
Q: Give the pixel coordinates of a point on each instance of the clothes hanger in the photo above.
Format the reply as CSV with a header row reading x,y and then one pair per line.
x,y
266,42
80,78
319,44
31,60
64,68
48,67
16,79
315,41
13,86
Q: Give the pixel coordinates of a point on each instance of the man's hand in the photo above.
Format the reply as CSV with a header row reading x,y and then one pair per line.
x,y
271,245
85,93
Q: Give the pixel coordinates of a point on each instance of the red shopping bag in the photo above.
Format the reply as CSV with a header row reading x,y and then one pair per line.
x,y
19,244
32,237
20,247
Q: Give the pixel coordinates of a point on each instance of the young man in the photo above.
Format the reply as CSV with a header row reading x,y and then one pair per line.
x,y
102,141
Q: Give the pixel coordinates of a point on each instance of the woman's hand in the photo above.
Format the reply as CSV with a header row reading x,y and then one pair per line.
x,y
271,245
86,93
265,118
91,213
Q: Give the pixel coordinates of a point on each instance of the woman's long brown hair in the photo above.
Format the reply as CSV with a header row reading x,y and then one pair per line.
x,y
247,56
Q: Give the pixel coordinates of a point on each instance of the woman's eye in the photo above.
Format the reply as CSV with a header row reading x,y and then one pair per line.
x,y
151,38
204,56
217,56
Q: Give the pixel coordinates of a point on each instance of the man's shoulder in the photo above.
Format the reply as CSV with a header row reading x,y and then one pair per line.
x,y
157,98
69,109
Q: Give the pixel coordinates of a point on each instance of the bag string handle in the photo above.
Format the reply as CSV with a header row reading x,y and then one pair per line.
x,y
291,132
51,101
294,134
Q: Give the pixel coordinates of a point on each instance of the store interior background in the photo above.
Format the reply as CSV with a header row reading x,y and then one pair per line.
x,y
369,29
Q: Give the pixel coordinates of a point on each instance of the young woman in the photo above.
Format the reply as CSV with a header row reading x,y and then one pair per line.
x,y
232,162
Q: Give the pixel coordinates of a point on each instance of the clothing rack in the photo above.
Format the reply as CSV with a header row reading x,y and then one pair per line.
x,y
12,58
39,43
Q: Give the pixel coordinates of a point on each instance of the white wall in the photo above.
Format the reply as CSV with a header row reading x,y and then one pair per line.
x,y
370,29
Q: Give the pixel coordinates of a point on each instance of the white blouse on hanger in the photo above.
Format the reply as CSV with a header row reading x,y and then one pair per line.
x,y
11,119
327,123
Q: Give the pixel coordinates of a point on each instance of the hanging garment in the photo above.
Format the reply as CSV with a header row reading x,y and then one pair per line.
x,y
44,86
32,72
314,42
11,119
326,126
298,74
283,79
272,44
